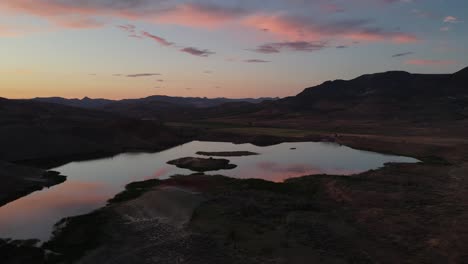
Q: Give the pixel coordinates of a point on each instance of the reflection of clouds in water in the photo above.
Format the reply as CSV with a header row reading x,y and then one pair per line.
x,y
160,173
274,171
34,216
73,194
290,168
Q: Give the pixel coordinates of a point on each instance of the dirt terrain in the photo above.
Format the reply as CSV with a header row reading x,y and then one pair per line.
x,y
402,213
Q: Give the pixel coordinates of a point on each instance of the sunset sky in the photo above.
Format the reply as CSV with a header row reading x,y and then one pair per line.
x,y
238,48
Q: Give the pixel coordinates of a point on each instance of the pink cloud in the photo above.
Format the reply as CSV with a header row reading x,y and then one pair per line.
x,y
91,14
196,15
304,29
78,23
188,14
159,40
423,62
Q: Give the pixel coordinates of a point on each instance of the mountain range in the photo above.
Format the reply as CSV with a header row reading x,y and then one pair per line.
x,y
369,101
391,102
390,96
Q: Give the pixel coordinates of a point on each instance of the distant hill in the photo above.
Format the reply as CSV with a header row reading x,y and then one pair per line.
x,y
395,97
388,95
32,130
415,101
461,75
161,107
86,102
197,102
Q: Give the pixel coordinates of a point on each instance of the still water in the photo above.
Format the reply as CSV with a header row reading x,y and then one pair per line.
x,y
91,183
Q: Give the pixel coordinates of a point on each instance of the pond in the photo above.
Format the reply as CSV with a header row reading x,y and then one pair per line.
x,y
91,183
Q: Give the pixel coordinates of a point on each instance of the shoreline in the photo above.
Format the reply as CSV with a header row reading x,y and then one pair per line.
x,y
348,140
329,193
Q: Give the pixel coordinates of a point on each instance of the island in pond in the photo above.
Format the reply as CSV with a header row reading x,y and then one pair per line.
x,y
202,164
227,153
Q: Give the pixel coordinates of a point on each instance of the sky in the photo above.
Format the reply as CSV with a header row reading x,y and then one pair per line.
x,y
211,48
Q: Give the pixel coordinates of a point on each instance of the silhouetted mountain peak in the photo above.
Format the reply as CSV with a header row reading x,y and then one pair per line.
x,y
463,72
86,98
383,76
381,90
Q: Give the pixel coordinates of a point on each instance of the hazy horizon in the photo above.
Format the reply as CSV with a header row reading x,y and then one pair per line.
x,y
201,96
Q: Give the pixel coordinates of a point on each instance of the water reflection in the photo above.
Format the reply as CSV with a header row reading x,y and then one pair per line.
x,y
91,183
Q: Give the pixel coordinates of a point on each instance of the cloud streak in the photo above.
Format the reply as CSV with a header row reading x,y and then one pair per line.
x,y
132,30
256,61
193,13
211,14
137,75
296,28
278,47
197,52
402,54
158,39
423,62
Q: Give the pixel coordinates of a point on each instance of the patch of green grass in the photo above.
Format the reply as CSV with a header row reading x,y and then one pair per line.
x,y
134,190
